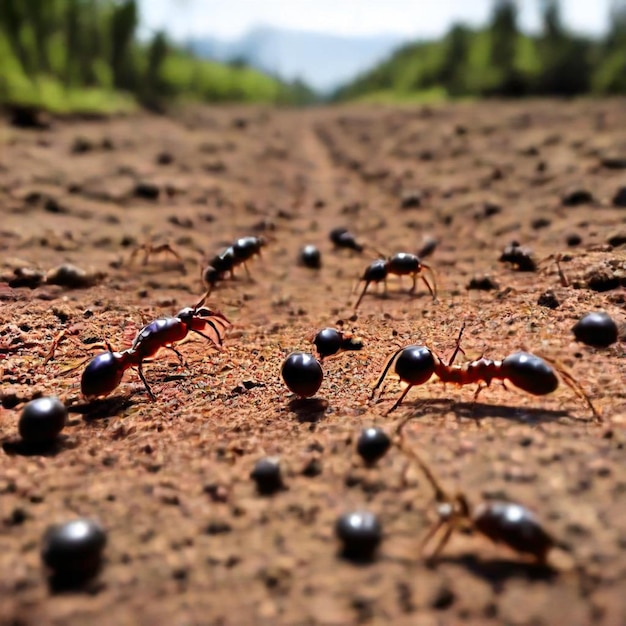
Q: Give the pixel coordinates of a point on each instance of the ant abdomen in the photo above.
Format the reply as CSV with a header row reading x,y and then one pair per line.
x,y
415,365
514,525
102,375
530,373
376,271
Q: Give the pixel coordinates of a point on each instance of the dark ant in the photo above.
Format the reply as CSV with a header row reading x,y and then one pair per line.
x,y
343,238
520,257
416,364
501,521
225,262
329,341
247,247
400,264
105,371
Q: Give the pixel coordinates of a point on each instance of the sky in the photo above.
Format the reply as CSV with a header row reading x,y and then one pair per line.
x,y
229,19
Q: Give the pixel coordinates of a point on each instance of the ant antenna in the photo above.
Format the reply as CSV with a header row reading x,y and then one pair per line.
x,y
385,370
440,494
574,385
457,348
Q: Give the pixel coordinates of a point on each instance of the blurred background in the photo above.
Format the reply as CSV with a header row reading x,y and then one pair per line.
x,y
115,55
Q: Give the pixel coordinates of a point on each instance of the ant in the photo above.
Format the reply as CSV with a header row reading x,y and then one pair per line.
x,y
225,262
343,238
520,257
149,249
501,521
330,341
400,264
104,372
416,364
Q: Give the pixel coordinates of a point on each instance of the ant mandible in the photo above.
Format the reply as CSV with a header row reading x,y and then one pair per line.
x,y
399,264
501,521
105,371
416,364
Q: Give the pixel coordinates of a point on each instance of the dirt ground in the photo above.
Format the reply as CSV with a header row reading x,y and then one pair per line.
x,y
189,539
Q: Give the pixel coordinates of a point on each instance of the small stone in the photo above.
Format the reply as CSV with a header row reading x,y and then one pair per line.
x,y
577,197
267,476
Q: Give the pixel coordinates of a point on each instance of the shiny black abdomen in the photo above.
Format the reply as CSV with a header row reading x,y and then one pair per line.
x,y
415,365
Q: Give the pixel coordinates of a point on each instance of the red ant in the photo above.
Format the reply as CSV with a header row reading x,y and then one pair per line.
x,y
105,371
499,520
149,250
400,264
416,364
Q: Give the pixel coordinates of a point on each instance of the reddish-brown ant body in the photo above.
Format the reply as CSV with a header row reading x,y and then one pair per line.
x,y
399,264
501,521
104,372
149,250
416,364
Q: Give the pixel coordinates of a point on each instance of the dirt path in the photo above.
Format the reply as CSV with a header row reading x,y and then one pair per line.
x,y
189,539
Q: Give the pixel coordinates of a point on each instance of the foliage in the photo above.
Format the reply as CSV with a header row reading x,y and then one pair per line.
x,y
85,55
500,60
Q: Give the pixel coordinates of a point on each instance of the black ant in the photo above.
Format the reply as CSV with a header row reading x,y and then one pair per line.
x,y
105,371
501,521
520,257
400,264
343,238
225,262
330,341
416,364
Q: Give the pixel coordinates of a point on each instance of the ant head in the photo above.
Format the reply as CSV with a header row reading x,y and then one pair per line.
x,y
376,271
187,314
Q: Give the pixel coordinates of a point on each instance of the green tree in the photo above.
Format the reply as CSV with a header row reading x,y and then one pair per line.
x,y
504,36
124,22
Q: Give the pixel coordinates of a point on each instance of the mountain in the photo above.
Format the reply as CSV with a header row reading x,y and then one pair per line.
x,y
322,61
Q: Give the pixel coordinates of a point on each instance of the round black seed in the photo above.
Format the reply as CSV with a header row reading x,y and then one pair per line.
x,y
73,550
302,373
311,257
267,476
372,444
328,341
596,329
360,533
42,420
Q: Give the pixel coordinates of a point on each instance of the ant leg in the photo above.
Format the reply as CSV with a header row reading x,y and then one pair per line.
x,y
432,531
432,293
457,348
145,383
356,306
181,359
478,390
433,289
441,544
217,344
399,400
390,360
414,286
245,267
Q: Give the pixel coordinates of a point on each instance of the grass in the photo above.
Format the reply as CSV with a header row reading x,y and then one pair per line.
x,y
50,95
